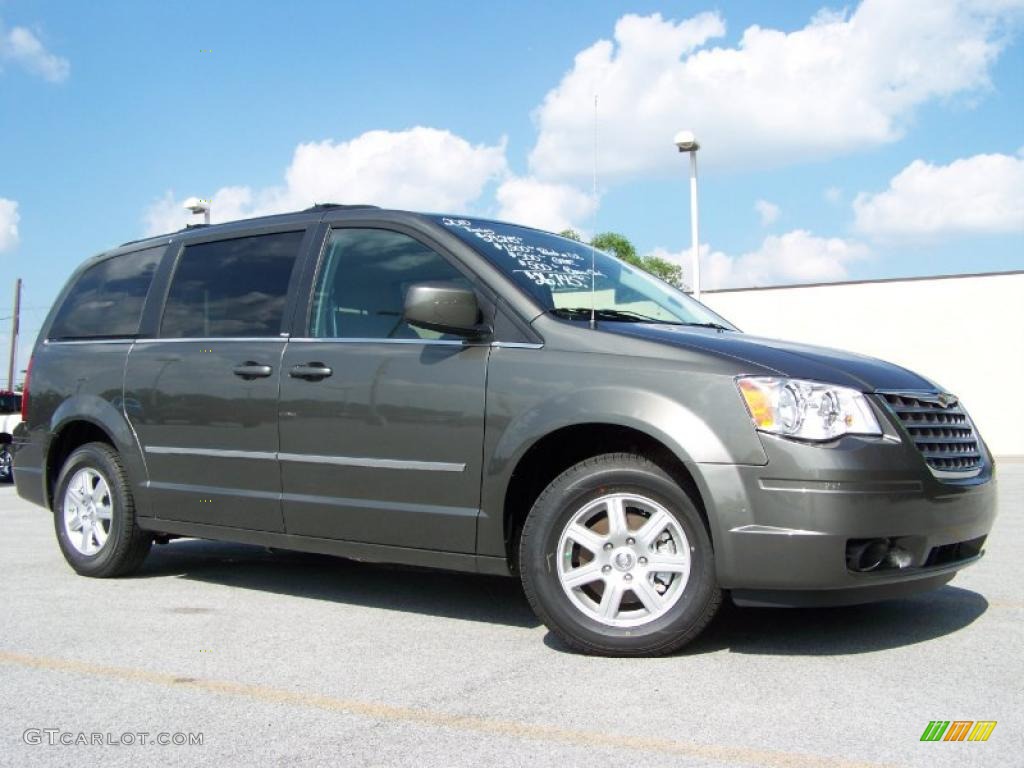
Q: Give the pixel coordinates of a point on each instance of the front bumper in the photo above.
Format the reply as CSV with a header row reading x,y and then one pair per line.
x,y
781,530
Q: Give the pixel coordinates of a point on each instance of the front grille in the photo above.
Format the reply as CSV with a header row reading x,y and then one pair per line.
x,y
945,436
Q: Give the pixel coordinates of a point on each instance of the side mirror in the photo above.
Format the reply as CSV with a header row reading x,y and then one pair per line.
x,y
445,308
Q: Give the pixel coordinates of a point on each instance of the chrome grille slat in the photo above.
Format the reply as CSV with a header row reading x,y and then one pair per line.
x,y
944,435
942,431
955,441
966,454
912,409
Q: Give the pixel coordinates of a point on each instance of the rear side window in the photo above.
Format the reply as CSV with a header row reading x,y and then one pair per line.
x,y
231,287
106,301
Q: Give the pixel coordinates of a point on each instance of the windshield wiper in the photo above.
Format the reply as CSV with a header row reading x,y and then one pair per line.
x,y
623,315
716,326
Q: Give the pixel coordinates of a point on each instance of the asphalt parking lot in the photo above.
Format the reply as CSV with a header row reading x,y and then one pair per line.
x,y
302,660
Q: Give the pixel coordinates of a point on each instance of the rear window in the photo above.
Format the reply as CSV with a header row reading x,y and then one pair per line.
x,y
106,301
231,288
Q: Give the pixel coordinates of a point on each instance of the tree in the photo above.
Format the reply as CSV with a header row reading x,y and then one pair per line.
x,y
668,271
620,246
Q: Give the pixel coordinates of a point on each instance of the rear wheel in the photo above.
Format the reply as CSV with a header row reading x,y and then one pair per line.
x,y
94,514
616,560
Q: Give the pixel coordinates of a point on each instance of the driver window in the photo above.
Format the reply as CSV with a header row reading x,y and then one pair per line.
x,y
363,280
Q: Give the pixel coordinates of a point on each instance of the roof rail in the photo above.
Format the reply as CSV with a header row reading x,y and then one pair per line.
x,y
318,208
338,206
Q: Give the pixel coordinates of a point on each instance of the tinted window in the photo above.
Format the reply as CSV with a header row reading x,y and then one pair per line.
x,y
10,402
361,287
231,287
107,299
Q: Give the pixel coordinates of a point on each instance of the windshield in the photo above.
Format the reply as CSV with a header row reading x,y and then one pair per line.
x,y
556,272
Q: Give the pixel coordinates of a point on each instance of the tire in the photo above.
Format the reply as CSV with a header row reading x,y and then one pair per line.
x,y
658,525
6,464
93,491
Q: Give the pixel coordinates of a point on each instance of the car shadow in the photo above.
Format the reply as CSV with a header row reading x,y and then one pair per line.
x,y
472,597
836,631
497,600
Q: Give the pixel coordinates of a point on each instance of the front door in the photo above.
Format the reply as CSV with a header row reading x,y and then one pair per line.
x,y
381,423
202,397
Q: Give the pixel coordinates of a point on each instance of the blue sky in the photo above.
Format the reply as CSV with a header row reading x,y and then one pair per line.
x,y
882,139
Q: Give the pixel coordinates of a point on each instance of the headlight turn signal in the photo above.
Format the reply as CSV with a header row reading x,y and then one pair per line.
x,y
806,410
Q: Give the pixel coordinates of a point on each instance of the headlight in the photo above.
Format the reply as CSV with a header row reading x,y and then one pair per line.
x,y
806,410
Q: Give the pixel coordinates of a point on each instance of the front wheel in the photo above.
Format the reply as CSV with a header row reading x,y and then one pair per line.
x,y
616,560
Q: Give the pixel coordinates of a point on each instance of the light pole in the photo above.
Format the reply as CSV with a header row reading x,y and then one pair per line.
x,y
196,205
687,142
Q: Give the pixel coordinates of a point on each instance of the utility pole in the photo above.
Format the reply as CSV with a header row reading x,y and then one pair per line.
x,y
15,319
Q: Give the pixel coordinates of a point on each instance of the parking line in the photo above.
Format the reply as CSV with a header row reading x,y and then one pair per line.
x,y
1013,605
438,719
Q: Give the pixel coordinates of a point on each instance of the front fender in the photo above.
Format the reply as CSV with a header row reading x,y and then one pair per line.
x,y
699,418
674,425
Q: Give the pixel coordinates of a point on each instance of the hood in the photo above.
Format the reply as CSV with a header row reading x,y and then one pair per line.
x,y
785,358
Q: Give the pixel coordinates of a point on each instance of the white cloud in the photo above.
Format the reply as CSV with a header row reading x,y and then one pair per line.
x,y
418,168
975,195
795,257
549,206
841,84
769,212
8,224
22,47
421,168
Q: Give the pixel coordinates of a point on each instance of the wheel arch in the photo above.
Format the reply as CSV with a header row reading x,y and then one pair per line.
x,y
558,450
676,431
86,419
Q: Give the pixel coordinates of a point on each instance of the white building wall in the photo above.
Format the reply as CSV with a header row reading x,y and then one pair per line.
x,y
964,333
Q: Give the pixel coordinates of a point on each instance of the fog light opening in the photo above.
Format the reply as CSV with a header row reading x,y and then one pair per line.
x,y
866,554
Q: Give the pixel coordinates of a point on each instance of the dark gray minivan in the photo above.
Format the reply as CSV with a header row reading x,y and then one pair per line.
x,y
472,395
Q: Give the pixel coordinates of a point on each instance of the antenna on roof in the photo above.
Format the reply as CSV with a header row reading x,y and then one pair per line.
x,y
593,286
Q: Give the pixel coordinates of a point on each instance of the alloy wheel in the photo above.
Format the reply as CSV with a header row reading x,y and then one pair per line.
x,y
88,511
623,560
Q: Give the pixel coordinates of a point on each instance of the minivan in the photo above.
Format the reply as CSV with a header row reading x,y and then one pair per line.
x,y
460,393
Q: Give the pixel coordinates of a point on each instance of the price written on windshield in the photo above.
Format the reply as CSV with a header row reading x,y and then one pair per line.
x,y
543,266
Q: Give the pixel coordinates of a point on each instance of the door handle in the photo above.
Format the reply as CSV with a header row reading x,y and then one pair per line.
x,y
250,370
310,371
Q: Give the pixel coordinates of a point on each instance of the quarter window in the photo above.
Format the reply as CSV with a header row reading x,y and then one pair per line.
x,y
231,288
106,301
360,291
